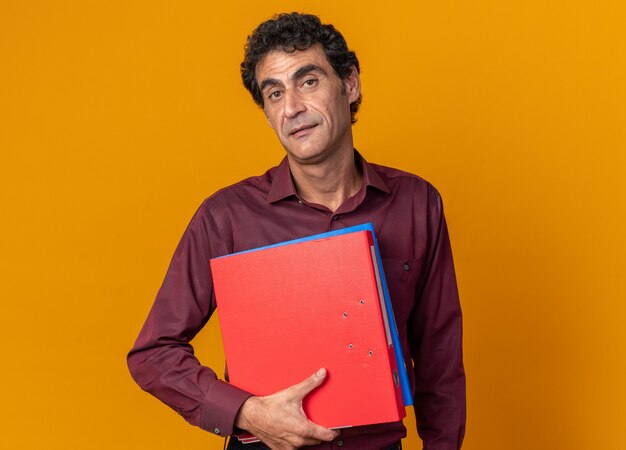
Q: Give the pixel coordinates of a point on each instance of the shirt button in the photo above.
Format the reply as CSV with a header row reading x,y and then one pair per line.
x,y
336,218
216,430
406,267
339,443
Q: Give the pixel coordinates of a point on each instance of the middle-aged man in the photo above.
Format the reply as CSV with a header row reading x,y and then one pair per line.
x,y
307,82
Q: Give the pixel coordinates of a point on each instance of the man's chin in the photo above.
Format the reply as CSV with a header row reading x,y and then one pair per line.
x,y
305,152
306,157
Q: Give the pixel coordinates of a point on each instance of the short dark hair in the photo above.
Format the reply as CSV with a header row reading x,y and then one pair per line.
x,y
291,32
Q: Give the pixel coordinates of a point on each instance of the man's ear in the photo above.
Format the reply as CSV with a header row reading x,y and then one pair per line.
x,y
353,85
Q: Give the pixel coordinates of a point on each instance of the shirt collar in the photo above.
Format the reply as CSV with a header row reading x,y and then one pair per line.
x,y
370,176
282,184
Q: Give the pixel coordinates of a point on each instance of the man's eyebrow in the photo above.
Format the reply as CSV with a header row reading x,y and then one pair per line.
x,y
302,71
269,82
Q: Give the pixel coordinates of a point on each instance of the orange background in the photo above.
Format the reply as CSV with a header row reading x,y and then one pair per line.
x,y
117,118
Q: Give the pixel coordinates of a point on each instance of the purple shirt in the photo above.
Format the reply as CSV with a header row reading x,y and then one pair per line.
x,y
408,219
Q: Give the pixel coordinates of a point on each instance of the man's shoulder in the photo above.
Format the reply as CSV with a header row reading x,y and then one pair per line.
x,y
257,187
225,206
400,179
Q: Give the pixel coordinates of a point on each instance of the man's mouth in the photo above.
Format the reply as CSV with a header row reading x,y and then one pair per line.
x,y
302,128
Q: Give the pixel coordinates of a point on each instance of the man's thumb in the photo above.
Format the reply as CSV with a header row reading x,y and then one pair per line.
x,y
307,385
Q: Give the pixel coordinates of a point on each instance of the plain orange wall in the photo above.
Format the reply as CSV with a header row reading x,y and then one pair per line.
x,y
118,117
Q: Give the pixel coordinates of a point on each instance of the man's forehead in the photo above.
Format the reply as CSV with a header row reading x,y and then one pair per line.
x,y
280,64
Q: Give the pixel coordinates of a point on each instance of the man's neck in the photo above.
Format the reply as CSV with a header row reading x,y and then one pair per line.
x,y
329,183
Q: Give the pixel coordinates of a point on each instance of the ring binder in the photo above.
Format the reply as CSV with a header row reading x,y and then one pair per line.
x,y
321,301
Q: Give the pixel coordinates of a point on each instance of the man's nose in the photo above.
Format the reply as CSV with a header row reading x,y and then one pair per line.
x,y
294,104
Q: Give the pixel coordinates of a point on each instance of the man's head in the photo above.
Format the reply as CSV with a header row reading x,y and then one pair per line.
x,y
292,32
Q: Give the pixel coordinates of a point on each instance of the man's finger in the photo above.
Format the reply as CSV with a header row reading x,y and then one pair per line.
x,y
322,433
303,388
310,441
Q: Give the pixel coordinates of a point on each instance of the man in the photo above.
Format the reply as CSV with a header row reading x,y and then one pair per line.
x,y
307,82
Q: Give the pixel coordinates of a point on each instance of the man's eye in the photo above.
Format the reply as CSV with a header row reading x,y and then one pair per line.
x,y
310,82
274,95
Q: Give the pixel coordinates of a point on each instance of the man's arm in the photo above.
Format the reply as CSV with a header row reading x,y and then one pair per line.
x,y
435,334
162,360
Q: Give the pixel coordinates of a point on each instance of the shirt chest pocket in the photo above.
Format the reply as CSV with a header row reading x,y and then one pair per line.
x,y
402,275
402,269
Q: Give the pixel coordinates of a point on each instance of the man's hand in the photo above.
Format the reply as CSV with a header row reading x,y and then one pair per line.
x,y
278,420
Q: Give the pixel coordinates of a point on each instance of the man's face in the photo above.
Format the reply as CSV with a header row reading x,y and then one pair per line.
x,y
307,104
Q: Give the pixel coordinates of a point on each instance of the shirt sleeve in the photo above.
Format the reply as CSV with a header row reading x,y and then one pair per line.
x,y
435,335
162,361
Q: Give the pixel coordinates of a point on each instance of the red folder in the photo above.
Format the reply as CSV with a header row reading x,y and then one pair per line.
x,y
287,310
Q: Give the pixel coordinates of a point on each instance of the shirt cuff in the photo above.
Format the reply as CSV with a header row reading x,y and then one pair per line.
x,y
222,405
